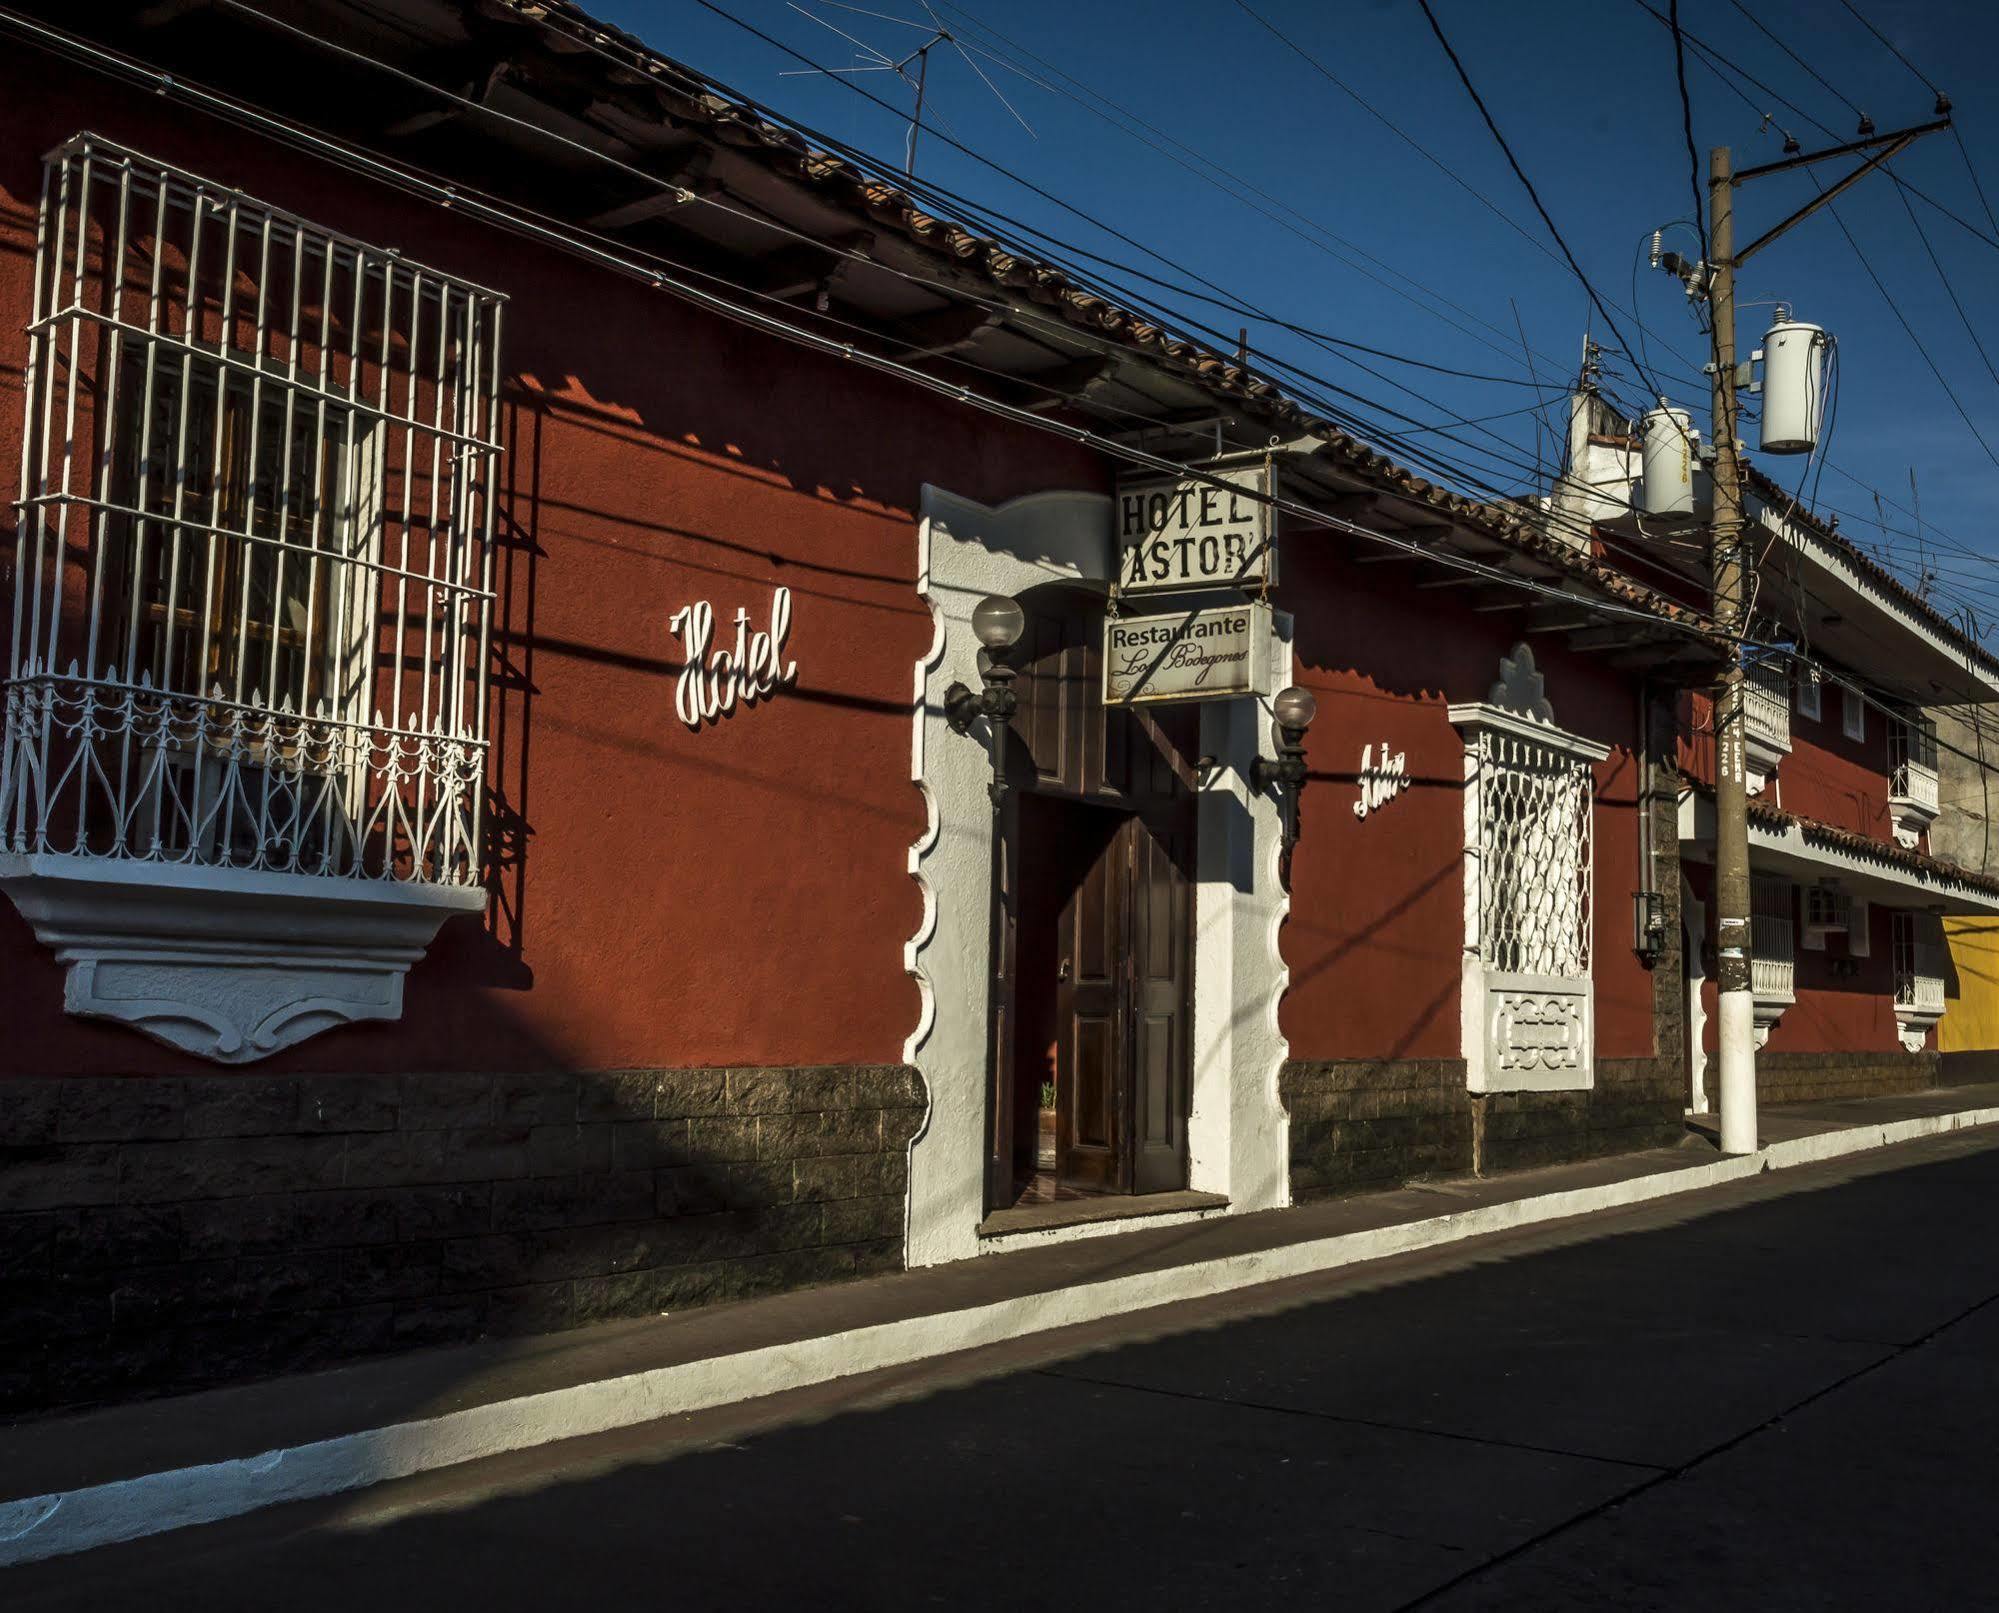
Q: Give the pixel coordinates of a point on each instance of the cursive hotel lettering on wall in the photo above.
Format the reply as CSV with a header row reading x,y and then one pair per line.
x,y
750,668
1380,781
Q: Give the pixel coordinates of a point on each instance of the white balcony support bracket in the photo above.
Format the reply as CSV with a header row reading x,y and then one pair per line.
x,y
1527,1003
226,963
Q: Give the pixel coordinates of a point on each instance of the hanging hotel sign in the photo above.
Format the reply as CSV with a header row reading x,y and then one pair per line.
x,y
1214,531
1214,653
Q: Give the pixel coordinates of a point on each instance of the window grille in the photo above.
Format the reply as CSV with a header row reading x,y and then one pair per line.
x,y
1534,862
254,548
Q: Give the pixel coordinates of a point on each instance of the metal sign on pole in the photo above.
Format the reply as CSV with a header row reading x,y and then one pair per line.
x,y
1216,652
1182,533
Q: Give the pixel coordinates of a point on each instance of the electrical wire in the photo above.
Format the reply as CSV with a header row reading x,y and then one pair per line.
x,y
1687,124
472,203
1866,124
1235,185
1435,161
1892,50
1527,184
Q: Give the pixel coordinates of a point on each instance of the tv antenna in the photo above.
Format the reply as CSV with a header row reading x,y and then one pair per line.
x,y
912,67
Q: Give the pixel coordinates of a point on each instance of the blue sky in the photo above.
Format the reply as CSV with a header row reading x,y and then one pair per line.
x,y
1374,243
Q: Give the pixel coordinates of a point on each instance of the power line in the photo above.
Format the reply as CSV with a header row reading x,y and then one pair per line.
x,y
1896,53
1687,124
1866,123
1949,290
1428,156
472,203
1188,157
1527,184
1895,309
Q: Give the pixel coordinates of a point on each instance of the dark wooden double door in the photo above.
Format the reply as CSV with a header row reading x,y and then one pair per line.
x,y
1097,991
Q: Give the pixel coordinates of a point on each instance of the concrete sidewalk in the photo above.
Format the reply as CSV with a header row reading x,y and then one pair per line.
x,y
69,1483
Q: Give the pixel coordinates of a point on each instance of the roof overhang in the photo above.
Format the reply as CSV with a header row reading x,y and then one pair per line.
x,y
1791,849
1839,610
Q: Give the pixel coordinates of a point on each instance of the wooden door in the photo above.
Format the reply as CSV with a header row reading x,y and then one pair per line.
x,y
1091,1128
1123,1006
1159,931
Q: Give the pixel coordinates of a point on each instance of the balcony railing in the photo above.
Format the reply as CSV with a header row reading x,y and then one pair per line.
x,y
1919,983
96,768
1914,786
1766,711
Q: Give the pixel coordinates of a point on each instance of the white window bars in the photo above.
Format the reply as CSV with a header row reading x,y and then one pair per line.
x,y
1527,997
254,547
1534,856
1919,958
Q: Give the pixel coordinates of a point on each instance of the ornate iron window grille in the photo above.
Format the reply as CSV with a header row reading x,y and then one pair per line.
x,y
254,548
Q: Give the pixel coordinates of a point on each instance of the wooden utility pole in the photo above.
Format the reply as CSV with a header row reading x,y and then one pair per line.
x,y
1731,777
1714,280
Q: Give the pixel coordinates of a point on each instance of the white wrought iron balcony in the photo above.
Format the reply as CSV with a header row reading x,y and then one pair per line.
x,y
1766,710
1912,799
1921,961
1772,958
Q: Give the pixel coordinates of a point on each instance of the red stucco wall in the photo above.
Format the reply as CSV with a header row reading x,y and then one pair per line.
x,y
1377,918
738,895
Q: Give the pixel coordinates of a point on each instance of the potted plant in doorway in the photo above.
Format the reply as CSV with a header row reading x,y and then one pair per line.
x,y
1044,1151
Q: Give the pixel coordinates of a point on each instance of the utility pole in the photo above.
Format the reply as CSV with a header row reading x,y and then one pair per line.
x,y
1715,282
1731,777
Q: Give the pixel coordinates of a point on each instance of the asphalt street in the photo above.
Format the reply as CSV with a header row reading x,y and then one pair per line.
x,y
1783,1394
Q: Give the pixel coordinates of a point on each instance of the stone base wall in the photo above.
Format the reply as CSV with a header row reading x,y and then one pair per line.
x,y
1828,1077
1636,1104
1970,1068
162,1234
1373,1123
1360,1123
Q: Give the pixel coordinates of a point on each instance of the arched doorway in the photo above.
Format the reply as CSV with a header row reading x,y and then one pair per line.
x,y
1092,1074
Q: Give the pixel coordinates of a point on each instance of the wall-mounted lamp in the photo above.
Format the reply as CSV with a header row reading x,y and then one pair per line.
x,y
997,623
1292,711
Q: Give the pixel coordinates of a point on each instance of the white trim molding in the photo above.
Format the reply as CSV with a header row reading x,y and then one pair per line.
x,y
228,964
1527,996
1238,1135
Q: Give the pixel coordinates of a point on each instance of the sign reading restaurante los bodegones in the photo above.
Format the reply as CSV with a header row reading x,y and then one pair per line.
x,y
1190,533
1214,653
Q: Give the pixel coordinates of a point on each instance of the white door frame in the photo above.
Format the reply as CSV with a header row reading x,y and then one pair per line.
x,y
1238,1134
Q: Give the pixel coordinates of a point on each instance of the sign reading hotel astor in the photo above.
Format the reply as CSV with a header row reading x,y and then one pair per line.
x,y
1188,533
1214,653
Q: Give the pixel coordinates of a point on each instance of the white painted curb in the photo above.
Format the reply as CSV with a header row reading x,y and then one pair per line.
x,y
69,1521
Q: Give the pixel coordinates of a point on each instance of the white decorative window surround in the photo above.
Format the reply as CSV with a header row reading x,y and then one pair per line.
x,y
245,751
1852,715
1528,1002
1809,704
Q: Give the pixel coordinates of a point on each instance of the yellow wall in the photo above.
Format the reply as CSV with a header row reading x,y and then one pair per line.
x,y
1971,1005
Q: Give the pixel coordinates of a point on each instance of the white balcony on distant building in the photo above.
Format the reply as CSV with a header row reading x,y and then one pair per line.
x,y
1912,780
1766,711
1772,952
1919,977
